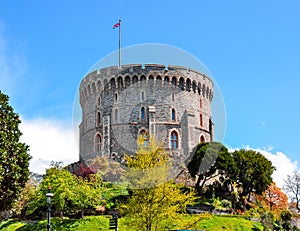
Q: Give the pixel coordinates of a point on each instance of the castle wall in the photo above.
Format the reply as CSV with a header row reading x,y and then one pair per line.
x,y
112,102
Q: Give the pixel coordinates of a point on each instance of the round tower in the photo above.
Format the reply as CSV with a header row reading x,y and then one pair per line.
x,y
172,103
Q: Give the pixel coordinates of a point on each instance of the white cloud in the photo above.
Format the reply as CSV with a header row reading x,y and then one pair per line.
x,y
49,140
283,164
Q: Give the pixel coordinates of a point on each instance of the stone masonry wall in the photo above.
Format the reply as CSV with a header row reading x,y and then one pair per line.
x,y
113,101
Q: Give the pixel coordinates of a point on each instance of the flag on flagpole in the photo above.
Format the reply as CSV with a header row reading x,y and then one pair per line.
x,y
116,25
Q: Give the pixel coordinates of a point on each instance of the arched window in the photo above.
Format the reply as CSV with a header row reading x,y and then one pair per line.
x,y
143,81
188,85
98,143
158,81
173,115
203,90
181,83
201,120
142,113
174,140
113,84
93,88
151,81
166,81
199,88
202,139
207,92
120,83
98,119
127,81
174,82
135,80
116,116
194,85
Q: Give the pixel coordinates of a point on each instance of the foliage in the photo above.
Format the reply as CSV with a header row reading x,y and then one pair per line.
x,y
14,157
267,221
73,195
154,201
211,161
274,199
255,172
63,185
87,193
21,205
109,170
292,187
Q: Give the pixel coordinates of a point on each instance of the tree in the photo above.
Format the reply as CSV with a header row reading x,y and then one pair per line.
x,y
62,184
255,172
292,187
70,193
87,193
211,160
274,199
154,199
25,196
14,157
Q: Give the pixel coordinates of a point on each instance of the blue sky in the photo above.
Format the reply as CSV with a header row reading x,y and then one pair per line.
x,y
252,48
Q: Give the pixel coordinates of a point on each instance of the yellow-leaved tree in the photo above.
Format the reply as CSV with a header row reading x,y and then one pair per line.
x,y
155,200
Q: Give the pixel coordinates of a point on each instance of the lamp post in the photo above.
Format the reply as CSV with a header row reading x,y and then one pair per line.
x,y
48,196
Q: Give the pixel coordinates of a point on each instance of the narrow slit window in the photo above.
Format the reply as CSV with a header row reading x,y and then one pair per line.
x,y
142,113
173,116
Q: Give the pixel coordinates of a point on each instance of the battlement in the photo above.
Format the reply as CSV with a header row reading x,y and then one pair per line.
x,y
112,77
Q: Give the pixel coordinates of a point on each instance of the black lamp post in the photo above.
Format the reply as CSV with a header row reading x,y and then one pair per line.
x,y
48,196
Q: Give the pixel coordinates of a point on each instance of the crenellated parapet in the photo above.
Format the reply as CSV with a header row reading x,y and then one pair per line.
x,y
134,74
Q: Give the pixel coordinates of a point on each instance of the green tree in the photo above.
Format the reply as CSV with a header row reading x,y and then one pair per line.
x,y
211,161
255,172
87,193
154,199
14,157
63,185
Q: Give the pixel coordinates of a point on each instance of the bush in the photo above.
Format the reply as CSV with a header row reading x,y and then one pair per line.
x,y
226,203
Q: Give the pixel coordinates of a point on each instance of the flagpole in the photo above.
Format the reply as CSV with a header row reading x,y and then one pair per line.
x,y
119,44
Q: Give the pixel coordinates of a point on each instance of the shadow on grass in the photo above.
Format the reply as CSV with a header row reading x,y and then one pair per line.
x,y
55,223
5,224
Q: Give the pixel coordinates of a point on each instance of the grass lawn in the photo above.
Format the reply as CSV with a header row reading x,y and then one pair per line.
x,y
91,223
218,223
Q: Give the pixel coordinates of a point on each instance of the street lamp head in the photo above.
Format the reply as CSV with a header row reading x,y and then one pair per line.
x,y
49,195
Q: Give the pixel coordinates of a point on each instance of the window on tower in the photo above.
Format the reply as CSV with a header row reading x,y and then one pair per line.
x,y
201,120
116,116
98,143
202,139
143,114
98,120
173,116
174,140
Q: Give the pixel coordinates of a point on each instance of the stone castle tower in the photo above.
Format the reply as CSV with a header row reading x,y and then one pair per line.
x,y
173,103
